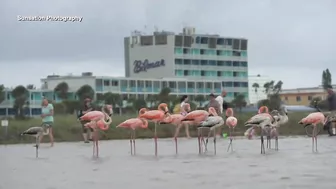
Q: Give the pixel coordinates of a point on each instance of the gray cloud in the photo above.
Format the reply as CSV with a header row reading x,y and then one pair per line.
x,y
289,40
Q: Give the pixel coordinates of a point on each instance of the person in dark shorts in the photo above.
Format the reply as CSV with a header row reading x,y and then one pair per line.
x,y
87,107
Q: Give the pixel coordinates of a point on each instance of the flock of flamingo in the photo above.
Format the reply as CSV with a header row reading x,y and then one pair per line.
x,y
267,122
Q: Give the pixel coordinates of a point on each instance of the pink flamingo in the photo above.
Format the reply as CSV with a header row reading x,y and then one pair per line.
x,y
98,120
231,122
196,117
314,119
176,119
133,124
155,116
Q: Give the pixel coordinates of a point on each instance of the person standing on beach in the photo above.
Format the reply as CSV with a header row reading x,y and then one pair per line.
x,y
87,107
47,115
214,103
331,102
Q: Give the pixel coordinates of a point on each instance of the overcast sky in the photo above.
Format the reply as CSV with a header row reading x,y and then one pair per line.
x,y
289,40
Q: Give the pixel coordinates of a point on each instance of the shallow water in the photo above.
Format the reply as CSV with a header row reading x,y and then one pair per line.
x,y
71,166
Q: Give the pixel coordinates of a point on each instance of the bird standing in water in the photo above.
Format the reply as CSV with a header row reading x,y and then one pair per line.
x,y
212,122
36,132
133,124
231,122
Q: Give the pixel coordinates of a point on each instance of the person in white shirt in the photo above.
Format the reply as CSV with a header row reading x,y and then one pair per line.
x,y
220,100
184,112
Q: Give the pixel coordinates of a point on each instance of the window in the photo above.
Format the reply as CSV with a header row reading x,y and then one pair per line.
x,y
132,83
235,53
178,40
115,83
217,85
200,85
243,44
146,40
179,72
188,40
228,42
235,74
124,83
172,84
106,82
243,84
186,73
186,51
236,44
156,84
186,62
202,51
220,63
310,98
195,51
220,41
204,40
161,40
243,64
219,73
164,84
228,63
181,85
198,40
212,63
298,98
235,64
227,84
236,84
202,73
204,62
140,83
191,85
178,50
148,83
195,62
178,61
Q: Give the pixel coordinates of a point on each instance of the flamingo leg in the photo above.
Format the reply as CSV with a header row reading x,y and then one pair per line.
x,y
214,140
175,137
131,142
206,141
37,145
262,142
155,138
96,141
134,142
276,139
268,139
231,139
314,139
199,141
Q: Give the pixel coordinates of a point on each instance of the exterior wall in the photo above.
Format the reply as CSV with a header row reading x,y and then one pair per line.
x,y
74,82
254,96
303,99
152,53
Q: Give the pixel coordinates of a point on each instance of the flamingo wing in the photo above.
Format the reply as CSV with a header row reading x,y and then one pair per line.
x,y
257,119
211,121
32,131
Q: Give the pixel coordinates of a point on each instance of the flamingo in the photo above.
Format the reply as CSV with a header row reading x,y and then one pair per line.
x,y
213,122
36,132
261,120
231,122
155,116
196,117
282,118
315,119
98,120
133,124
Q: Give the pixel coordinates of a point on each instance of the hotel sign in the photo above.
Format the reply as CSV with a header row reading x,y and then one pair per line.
x,y
143,66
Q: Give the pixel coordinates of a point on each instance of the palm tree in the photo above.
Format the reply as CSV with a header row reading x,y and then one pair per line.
x,y
62,90
239,101
256,87
200,99
85,91
20,94
163,96
30,87
2,93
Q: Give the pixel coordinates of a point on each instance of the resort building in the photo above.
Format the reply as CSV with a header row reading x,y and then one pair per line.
x,y
187,63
